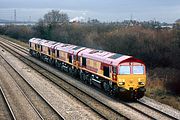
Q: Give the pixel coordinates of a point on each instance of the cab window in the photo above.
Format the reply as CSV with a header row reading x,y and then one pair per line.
x,y
124,70
41,48
58,53
138,70
114,69
35,46
49,52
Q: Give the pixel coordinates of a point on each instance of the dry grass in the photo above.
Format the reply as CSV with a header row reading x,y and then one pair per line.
x,y
158,86
15,41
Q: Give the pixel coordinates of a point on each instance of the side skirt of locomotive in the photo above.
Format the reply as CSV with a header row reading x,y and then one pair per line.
x,y
92,79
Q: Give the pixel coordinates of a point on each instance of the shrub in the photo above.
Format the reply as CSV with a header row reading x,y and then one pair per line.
x,y
173,84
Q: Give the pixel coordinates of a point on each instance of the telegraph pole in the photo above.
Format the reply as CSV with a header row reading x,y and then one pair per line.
x,y
131,17
15,15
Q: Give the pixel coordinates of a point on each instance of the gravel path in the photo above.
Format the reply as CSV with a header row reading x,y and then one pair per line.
x,y
68,107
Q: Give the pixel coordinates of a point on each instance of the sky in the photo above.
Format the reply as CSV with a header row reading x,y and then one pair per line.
x,y
103,10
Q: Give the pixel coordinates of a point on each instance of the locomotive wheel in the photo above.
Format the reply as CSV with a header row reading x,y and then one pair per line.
x,y
84,78
52,61
75,73
81,76
90,80
106,87
31,52
49,60
61,67
140,95
37,55
41,57
56,64
70,70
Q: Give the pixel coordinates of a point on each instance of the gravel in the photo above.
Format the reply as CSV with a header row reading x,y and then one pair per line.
x,y
19,104
162,107
4,112
148,111
43,108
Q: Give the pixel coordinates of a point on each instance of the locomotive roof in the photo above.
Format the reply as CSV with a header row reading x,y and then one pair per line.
x,y
104,56
35,40
99,55
73,49
43,42
48,43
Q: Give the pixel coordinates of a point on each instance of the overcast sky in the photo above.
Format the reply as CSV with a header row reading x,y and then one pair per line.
x,y
103,10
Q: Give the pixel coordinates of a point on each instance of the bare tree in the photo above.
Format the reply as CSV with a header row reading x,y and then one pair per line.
x,y
56,17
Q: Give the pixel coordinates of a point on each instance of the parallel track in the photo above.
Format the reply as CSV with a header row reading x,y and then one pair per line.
x,y
49,104
157,110
7,104
142,112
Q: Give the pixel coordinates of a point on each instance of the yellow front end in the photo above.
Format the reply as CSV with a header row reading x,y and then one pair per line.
x,y
131,82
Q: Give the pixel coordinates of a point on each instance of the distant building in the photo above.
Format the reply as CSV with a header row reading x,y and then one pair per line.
x,y
166,26
77,19
177,21
177,24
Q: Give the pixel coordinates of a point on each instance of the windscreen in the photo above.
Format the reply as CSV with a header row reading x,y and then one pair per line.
x,y
131,69
138,70
124,70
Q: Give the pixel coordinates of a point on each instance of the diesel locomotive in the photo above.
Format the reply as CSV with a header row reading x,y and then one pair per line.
x,y
115,73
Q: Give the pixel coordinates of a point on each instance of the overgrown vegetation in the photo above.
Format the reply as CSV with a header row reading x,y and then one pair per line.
x,y
158,48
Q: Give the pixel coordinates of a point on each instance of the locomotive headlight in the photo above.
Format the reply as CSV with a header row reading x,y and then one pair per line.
x,y
141,83
121,83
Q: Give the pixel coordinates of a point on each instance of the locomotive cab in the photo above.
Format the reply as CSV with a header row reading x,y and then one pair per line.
x,y
131,77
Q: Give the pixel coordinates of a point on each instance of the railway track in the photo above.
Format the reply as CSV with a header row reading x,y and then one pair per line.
x,y
55,78
13,99
48,105
157,110
10,113
148,110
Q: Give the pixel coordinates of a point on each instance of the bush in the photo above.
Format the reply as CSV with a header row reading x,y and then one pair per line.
x,y
18,32
174,83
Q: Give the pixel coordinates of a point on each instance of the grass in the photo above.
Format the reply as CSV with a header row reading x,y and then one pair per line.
x,y
164,97
158,86
157,81
15,41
